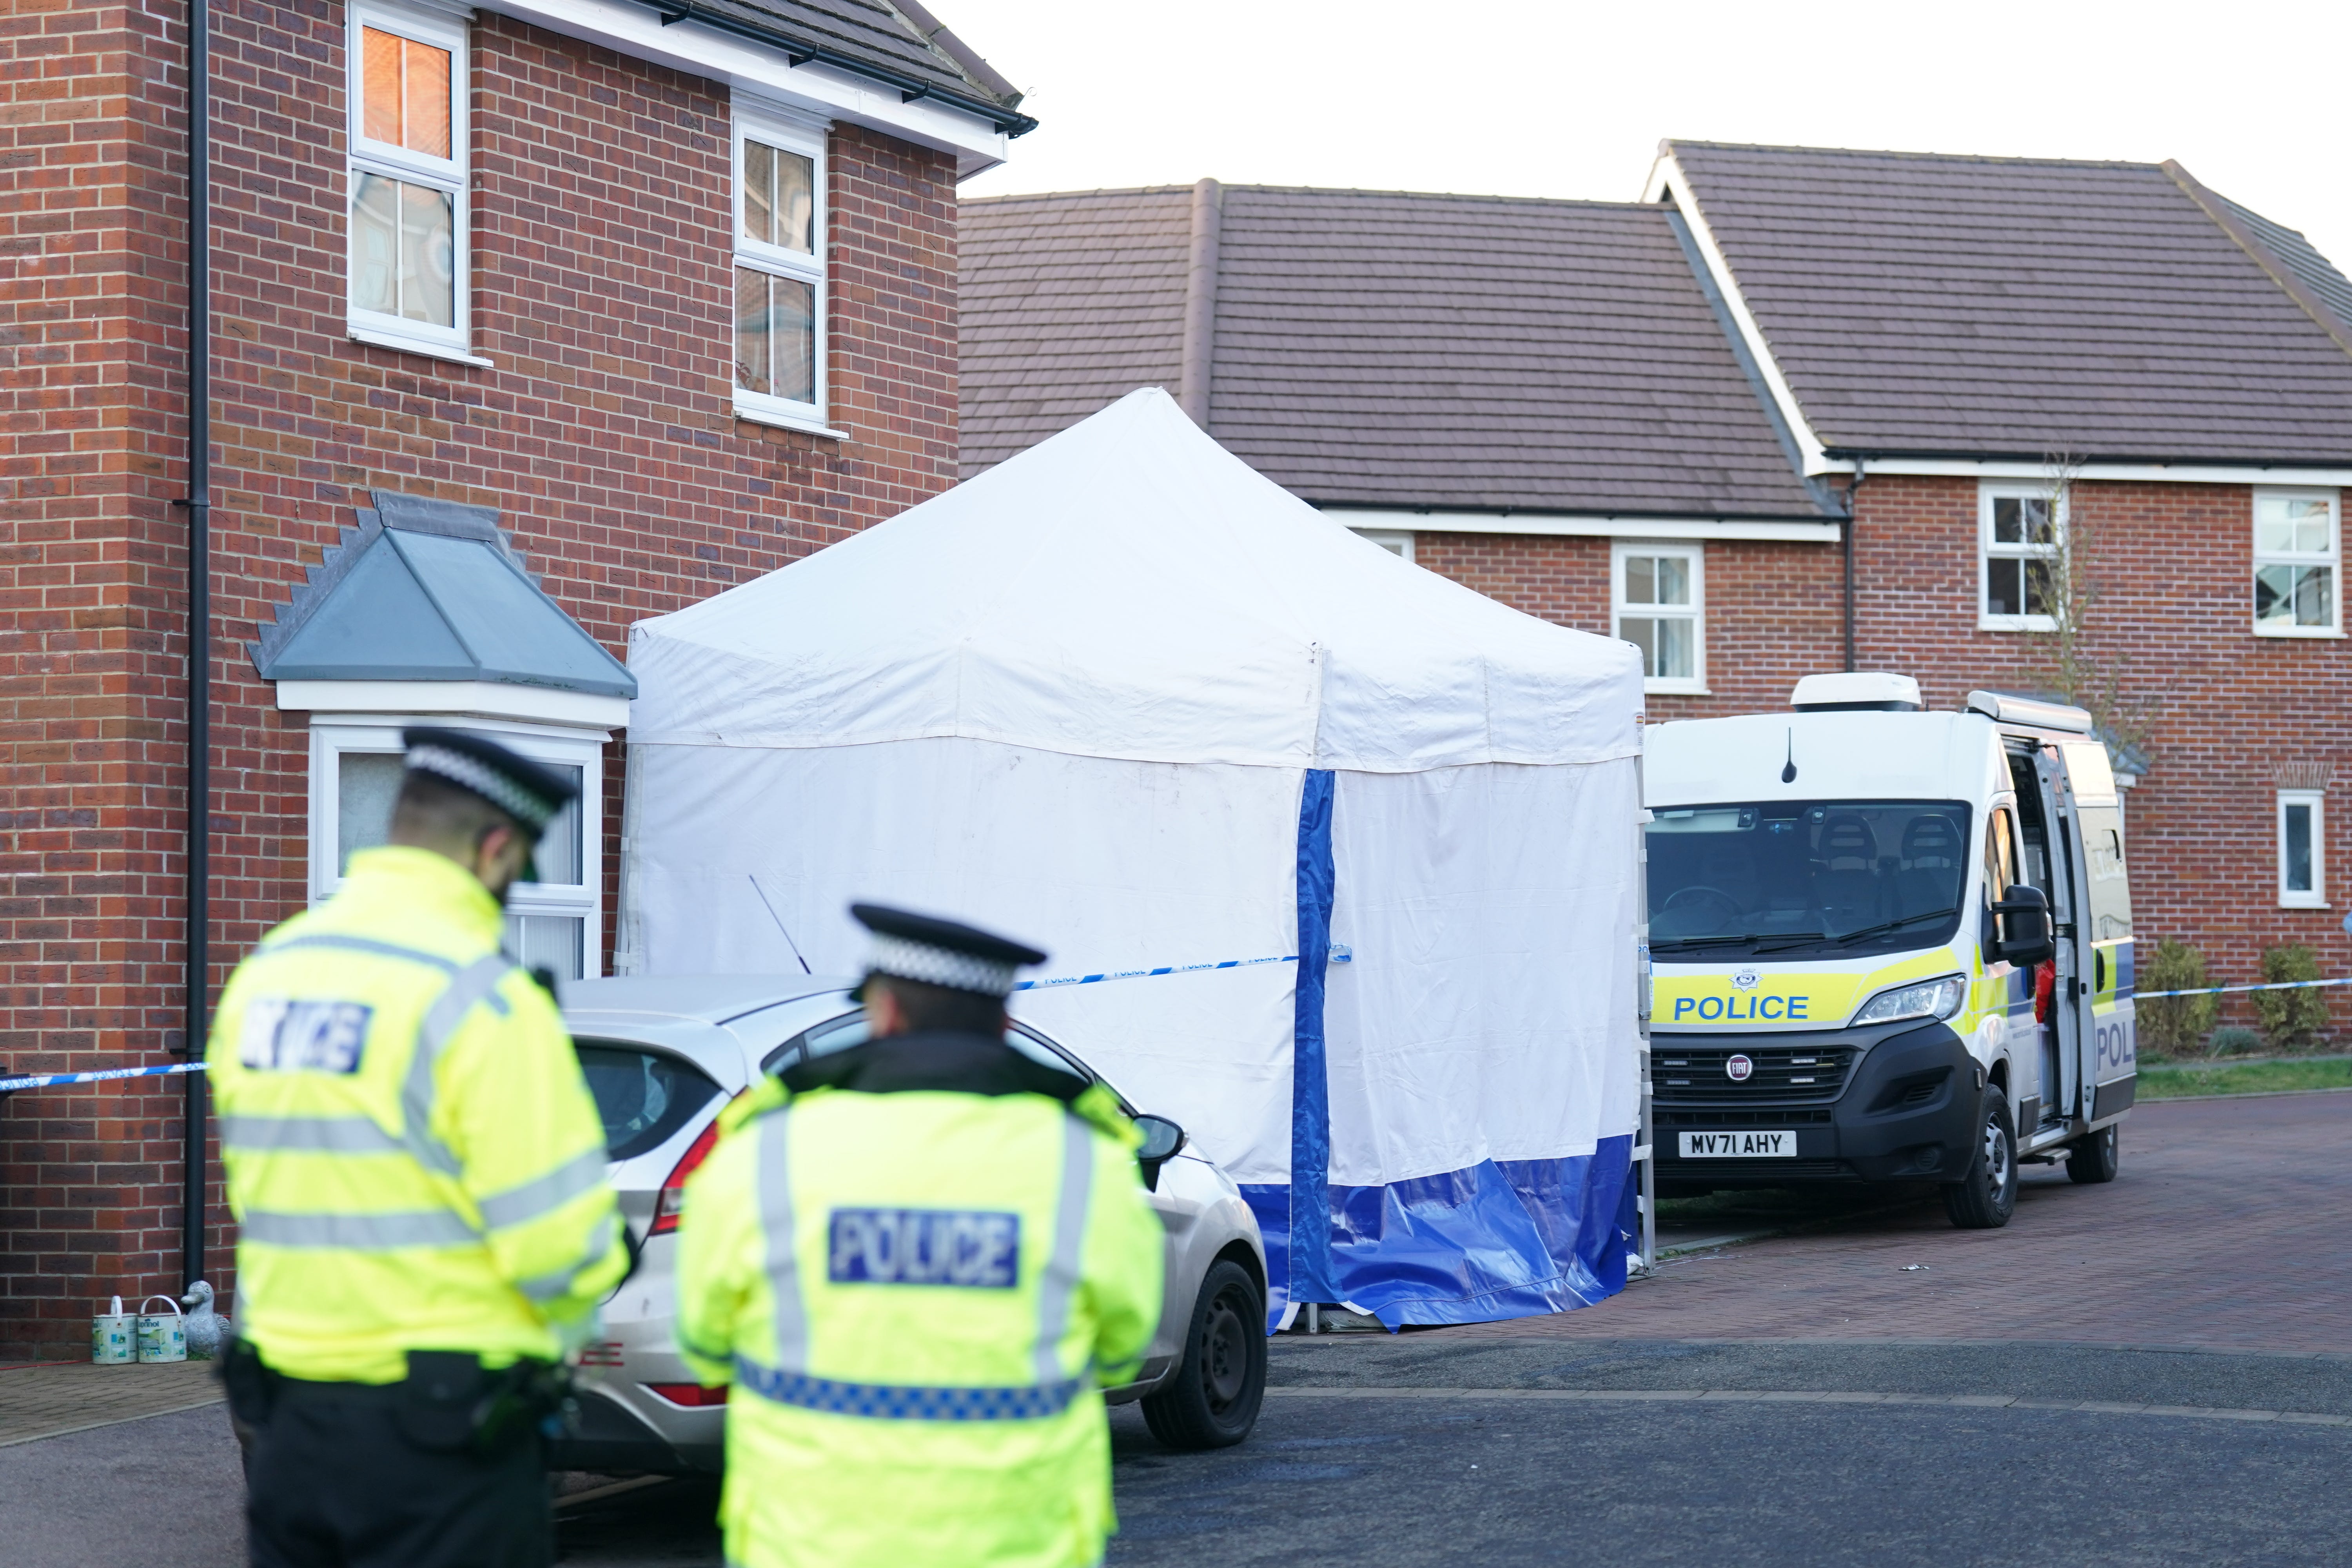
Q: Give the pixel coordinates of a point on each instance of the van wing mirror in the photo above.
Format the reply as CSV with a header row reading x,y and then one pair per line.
x,y
2025,939
1162,1140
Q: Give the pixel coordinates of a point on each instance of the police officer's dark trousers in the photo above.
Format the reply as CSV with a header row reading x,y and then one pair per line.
x,y
338,1479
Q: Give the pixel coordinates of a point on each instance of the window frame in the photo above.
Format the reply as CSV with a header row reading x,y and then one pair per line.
x,y
2332,560
1693,555
334,737
754,122
2315,896
452,175
1989,492
1397,542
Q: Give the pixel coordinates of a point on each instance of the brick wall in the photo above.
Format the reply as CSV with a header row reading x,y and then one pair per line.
x,y
603,431
2234,717
92,221
1772,610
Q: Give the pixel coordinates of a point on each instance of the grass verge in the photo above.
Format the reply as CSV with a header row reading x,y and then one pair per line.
x,y
2245,1078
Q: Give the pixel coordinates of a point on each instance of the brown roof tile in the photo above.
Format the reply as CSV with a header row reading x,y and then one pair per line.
x,y
1381,348
1921,303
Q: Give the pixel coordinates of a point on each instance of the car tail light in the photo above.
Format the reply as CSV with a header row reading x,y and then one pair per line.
x,y
672,1201
690,1396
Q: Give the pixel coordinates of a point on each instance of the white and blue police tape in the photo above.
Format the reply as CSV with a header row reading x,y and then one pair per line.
x,y
45,1080
2217,990
1340,954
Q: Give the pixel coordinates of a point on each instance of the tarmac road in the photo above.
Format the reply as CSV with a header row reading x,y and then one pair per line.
x,y
1688,1420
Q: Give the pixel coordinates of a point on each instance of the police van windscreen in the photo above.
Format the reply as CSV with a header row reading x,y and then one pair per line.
x,y
1805,877
642,1097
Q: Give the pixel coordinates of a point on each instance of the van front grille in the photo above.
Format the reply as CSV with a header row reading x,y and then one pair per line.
x,y
1711,1117
1700,1075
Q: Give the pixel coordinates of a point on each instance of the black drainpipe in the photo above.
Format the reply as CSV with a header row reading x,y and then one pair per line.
x,y
200,638
1853,513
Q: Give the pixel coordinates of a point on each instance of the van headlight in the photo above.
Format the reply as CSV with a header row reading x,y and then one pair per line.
x,y
1927,999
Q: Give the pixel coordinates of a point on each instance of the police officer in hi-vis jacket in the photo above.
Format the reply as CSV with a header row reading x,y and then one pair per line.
x,y
418,1172
917,1260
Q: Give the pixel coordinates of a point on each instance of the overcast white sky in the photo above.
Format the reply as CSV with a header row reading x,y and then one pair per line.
x,y
1568,99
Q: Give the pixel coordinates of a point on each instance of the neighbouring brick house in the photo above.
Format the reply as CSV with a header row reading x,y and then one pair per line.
x,y
642,299
1797,410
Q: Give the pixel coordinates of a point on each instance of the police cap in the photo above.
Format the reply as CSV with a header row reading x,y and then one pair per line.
x,y
531,793
947,953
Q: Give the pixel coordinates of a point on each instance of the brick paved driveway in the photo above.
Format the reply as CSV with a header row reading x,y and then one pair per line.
x,y
2229,1228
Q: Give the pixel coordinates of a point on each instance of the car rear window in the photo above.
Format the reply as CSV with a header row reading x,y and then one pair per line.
x,y
643,1096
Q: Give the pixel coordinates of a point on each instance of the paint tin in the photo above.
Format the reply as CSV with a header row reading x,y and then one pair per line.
x,y
161,1338
112,1336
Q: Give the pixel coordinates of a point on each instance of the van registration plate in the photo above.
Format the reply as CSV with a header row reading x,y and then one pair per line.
x,y
1741,1145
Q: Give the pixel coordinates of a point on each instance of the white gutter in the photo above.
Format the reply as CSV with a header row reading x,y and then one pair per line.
x,y
1556,526
746,65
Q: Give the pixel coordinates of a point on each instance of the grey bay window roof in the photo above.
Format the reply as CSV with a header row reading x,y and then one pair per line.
x,y
1380,348
1930,305
431,589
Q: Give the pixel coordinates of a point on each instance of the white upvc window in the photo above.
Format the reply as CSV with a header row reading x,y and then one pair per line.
x,y
2302,850
2297,539
1658,603
780,283
1395,541
408,180
557,920
2020,529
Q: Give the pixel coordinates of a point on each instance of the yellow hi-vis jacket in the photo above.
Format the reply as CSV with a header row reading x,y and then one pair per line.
x,y
413,1156
917,1296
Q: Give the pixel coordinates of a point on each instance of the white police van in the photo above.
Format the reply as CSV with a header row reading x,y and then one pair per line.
x,y
1850,905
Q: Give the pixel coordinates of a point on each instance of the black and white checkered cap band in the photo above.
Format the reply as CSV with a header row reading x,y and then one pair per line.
x,y
484,781
920,961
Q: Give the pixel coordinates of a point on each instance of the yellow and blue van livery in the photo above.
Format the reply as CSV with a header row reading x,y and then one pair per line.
x,y
1853,908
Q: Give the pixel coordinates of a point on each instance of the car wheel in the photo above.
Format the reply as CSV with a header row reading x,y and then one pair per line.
x,y
1987,1196
1211,1399
2094,1159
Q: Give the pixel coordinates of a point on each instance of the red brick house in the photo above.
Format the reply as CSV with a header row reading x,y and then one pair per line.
x,y
2058,427
527,320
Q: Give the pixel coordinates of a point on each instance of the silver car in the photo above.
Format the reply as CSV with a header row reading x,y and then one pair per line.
x,y
663,1056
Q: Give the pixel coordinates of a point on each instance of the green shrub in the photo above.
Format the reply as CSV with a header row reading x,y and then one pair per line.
x,y
2291,1019
2172,1025
2232,1040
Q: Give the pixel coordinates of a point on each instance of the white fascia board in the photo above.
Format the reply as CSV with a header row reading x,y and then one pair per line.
x,y
1668,181
1792,532
2155,473
458,699
747,66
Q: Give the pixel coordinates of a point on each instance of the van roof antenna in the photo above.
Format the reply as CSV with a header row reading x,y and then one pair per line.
x,y
780,923
1788,773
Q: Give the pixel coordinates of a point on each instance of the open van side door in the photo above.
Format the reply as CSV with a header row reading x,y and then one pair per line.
x,y
2045,818
2101,939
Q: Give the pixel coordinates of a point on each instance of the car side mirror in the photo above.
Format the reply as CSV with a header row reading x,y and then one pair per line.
x,y
1162,1140
2025,926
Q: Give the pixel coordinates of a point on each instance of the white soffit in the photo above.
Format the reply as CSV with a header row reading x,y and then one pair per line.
x,y
456,699
2147,473
1792,532
756,68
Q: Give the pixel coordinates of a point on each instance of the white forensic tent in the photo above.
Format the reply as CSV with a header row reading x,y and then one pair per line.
x,y
1123,697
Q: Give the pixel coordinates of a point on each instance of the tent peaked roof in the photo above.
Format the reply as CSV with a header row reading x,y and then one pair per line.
x,y
1129,589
